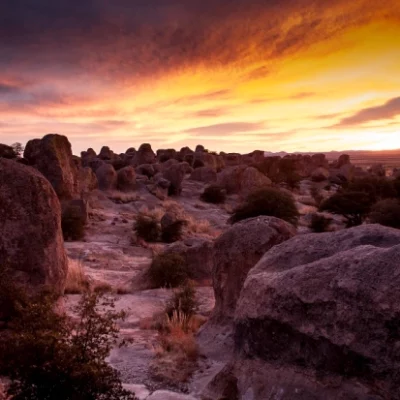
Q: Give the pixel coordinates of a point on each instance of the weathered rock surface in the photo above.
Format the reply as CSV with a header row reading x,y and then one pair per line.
x,y
52,156
242,179
318,318
198,254
175,174
31,243
6,151
107,177
204,174
145,155
126,179
236,251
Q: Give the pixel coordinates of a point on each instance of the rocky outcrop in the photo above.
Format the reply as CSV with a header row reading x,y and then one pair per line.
x,y
198,256
320,174
52,156
175,174
126,179
318,318
31,243
7,151
242,179
204,174
145,155
107,177
236,251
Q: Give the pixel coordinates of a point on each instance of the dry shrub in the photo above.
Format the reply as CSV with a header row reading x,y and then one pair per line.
x,y
147,227
77,281
176,351
122,198
214,194
102,287
183,301
167,270
320,223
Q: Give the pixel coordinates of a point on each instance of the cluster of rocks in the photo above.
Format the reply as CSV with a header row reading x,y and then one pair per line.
x,y
315,317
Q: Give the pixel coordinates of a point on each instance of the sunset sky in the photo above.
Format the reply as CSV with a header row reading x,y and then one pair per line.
x,y
233,75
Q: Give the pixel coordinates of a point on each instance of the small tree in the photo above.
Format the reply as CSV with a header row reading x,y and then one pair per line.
x,y
386,212
353,206
267,201
18,149
47,356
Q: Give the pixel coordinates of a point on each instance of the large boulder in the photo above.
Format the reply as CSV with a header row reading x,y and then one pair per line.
x,y
175,174
204,174
87,180
106,153
7,151
198,256
318,318
107,177
236,251
31,243
52,156
242,179
320,174
126,179
145,155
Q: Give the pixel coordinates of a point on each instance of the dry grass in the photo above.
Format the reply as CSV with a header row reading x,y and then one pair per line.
x,y
77,281
121,197
176,351
156,213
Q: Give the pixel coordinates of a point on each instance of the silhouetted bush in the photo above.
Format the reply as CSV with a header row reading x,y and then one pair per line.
x,y
168,270
48,356
386,212
214,194
73,224
292,180
316,195
377,188
319,223
184,300
147,227
396,185
353,206
172,232
267,201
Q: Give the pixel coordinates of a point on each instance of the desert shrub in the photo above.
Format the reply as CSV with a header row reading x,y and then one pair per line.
x,y
319,223
72,224
168,270
292,180
316,195
46,356
353,206
76,282
147,227
267,201
173,231
386,212
396,185
377,188
214,194
18,149
183,300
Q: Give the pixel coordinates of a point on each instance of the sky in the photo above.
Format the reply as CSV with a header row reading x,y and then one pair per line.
x,y
232,75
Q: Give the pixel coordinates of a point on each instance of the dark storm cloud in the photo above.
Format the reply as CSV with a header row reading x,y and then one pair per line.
x,y
125,40
388,110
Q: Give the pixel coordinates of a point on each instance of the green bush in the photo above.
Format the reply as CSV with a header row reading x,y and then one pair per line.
x,y
168,270
353,206
386,212
267,201
214,194
47,356
172,232
184,300
147,227
319,223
